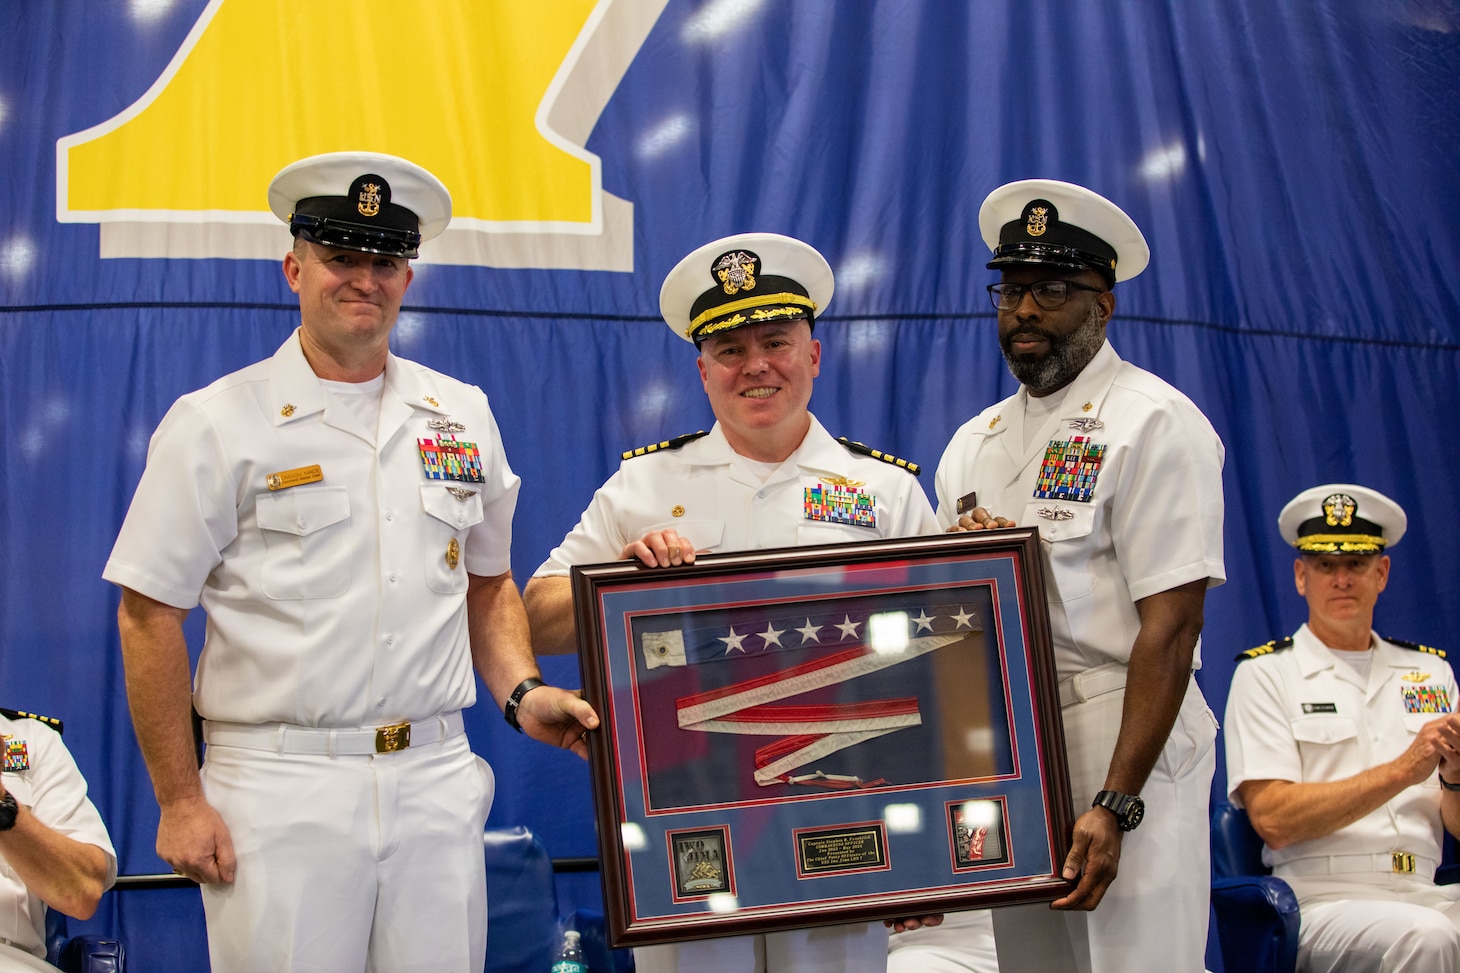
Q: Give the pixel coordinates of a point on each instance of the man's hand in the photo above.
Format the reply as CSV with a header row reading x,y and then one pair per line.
x,y
1094,857
660,549
1437,744
557,717
979,519
908,923
192,838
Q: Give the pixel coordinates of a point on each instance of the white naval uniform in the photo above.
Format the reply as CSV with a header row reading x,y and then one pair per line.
x,y
725,507
1297,714
334,604
54,790
1152,521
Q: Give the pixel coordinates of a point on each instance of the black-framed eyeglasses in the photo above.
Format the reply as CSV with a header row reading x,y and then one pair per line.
x,y
1048,294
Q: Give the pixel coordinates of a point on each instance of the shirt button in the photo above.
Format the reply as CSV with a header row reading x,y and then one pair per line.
x,y
392,577
301,523
761,494
389,515
390,640
460,520
380,703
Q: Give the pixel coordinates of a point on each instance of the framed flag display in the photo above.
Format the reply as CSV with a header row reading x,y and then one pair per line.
x,y
817,735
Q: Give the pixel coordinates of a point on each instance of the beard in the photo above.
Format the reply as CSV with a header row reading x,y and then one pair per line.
x,y
1067,356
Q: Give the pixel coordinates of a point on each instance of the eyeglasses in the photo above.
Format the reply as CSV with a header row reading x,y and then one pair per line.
x,y
1048,294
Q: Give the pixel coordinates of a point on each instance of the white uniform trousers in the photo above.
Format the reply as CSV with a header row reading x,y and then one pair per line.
x,y
351,863
857,948
1154,915
963,943
13,959
1380,922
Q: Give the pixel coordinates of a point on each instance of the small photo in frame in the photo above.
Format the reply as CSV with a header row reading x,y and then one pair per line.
x,y
702,863
978,835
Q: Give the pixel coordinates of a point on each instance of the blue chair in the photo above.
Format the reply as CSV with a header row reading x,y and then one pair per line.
x,y
1257,914
81,954
524,930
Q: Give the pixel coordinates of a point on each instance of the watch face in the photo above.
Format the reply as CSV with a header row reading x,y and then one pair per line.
x,y
1134,814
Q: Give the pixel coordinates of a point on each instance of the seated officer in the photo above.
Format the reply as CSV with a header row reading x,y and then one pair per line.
x,y
1345,749
54,850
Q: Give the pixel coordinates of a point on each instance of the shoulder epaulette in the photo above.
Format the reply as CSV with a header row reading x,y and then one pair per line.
x,y
20,714
1276,645
1404,644
674,443
866,450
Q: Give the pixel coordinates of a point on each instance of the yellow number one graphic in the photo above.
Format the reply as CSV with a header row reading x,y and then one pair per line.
x,y
496,97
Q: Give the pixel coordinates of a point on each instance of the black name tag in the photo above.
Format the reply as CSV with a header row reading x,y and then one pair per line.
x,y
1320,707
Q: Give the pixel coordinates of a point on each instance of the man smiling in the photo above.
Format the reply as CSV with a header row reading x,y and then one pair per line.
x,y
767,475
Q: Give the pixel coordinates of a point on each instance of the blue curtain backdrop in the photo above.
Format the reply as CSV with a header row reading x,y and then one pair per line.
x,y
1293,165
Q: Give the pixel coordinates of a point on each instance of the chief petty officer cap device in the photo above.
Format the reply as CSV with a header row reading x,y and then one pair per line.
x,y
1045,221
753,278
365,201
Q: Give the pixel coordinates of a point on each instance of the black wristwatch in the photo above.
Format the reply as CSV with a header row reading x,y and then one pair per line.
x,y
509,711
1127,808
8,810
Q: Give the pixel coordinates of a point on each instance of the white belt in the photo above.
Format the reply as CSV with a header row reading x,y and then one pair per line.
x,y
1091,683
332,741
1389,861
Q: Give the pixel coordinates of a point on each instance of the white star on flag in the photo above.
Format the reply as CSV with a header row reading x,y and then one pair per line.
x,y
772,635
808,634
962,618
732,642
848,627
924,622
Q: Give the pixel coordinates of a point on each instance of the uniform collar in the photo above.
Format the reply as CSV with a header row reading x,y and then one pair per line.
x,y
817,452
1084,398
296,392
1314,657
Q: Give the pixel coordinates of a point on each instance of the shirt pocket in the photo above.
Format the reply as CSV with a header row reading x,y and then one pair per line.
x,y
448,520
816,532
1327,745
1064,533
306,541
702,533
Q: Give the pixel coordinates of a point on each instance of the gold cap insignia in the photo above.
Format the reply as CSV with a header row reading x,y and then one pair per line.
x,y
369,204
453,554
1338,510
1038,221
736,271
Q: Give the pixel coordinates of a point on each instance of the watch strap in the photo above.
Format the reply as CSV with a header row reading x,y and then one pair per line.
x,y
8,811
1446,784
509,711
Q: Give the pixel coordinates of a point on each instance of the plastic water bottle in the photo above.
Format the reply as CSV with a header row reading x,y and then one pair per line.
x,y
570,957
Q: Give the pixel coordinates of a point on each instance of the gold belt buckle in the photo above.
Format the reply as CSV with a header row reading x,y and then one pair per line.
x,y
397,736
1403,861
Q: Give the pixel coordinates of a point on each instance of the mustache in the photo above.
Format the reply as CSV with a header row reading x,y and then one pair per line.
x,y
1027,331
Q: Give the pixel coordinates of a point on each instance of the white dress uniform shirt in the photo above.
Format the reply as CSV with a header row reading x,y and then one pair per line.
x,y
714,497
1142,514
1298,715
332,603
54,790
722,502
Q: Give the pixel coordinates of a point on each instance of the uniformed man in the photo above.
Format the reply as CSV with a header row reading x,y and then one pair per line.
x,y
345,519
748,303
54,849
1345,749
1122,474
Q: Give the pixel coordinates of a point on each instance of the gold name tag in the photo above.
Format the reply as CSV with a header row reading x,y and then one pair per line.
x,y
290,478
